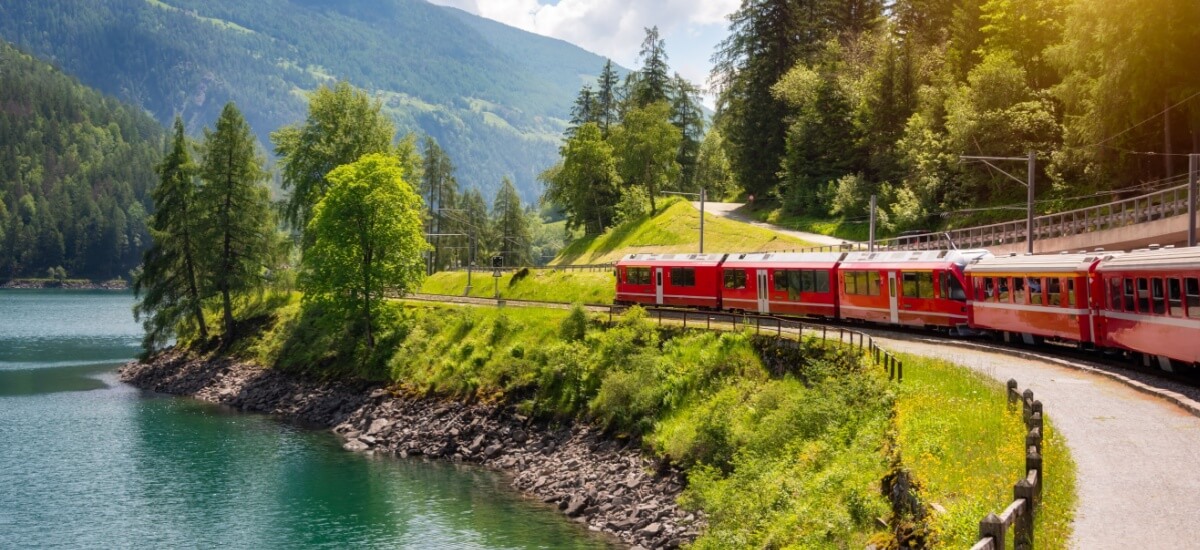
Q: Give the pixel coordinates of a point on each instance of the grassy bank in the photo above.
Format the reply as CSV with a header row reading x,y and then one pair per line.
x,y
781,447
966,450
585,287
851,230
676,228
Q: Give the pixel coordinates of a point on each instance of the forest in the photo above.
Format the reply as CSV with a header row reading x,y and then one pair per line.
x,y
76,171
823,103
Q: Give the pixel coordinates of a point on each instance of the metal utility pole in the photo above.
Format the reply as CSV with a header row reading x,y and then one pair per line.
x,y
1031,159
871,241
1193,168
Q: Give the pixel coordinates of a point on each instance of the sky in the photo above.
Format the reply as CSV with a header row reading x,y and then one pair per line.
x,y
615,28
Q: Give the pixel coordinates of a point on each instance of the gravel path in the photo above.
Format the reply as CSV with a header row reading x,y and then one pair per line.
x,y
729,210
1137,454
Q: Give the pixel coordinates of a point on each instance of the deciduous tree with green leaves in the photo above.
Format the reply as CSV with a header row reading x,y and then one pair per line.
x,y
238,225
586,185
646,145
367,238
168,285
343,124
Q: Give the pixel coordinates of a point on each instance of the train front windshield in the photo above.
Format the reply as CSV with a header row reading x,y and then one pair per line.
x,y
952,286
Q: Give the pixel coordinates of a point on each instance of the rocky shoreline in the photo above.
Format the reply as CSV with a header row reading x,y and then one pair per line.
x,y
606,484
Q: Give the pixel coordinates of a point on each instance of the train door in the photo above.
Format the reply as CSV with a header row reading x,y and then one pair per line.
x,y
658,285
893,298
764,294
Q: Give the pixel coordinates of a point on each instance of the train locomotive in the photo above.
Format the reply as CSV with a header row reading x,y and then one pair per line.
x,y
1144,303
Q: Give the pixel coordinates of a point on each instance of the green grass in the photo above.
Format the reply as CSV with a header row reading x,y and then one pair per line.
x,y
966,450
841,228
585,287
676,228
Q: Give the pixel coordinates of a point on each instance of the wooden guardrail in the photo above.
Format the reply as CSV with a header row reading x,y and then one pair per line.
x,y
845,336
1144,208
571,267
1027,492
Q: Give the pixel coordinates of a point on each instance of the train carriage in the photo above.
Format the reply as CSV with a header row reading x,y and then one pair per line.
x,y
913,288
1150,304
669,279
781,282
1034,297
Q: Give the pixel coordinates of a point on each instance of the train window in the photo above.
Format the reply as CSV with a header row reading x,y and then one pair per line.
x,y
873,278
1071,292
735,279
1157,299
1174,298
1143,295
1035,290
862,281
805,281
637,275
1019,294
989,289
822,281
781,279
918,285
1129,295
952,288
1192,291
1114,294
1003,290
1054,291
908,286
683,276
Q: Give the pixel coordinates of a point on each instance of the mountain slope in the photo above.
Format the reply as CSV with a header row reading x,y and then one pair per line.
x,y
76,169
496,98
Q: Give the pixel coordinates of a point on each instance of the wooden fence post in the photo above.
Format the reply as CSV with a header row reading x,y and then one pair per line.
x,y
1023,528
1034,439
1033,461
1026,405
1012,393
992,527
899,371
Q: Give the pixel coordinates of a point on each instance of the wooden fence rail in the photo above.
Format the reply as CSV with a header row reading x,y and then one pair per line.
x,y
1027,492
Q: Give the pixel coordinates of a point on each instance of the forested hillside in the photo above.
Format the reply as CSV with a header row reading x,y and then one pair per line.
x,y
76,169
825,102
496,99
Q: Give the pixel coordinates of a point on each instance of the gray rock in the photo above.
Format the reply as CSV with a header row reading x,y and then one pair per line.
x,y
576,505
651,530
355,446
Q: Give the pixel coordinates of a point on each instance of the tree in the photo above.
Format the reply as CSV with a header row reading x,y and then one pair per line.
x,y
585,110
688,117
645,146
585,184
477,221
510,226
238,225
822,141
712,166
366,240
439,185
343,124
168,285
654,78
606,98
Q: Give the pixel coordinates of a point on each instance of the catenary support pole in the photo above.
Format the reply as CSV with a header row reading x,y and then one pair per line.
x,y
1029,214
702,197
871,242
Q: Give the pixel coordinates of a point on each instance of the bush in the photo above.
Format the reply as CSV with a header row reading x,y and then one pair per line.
x,y
574,327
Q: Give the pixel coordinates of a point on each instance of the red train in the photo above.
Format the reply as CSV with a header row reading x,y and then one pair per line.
x,y
1145,303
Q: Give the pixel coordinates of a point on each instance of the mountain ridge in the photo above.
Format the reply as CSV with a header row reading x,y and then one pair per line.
x,y
495,97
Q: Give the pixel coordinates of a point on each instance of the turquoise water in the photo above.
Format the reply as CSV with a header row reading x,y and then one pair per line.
x,y
88,462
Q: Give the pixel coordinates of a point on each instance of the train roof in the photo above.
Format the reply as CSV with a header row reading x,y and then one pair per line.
x,y
1154,259
1041,263
912,258
684,259
785,259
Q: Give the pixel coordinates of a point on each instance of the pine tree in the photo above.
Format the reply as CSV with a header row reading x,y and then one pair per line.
x,y
511,227
239,227
437,185
607,99
688,117
168,285
654,81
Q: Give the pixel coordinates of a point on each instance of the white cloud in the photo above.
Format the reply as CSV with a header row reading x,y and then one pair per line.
x,y
615,28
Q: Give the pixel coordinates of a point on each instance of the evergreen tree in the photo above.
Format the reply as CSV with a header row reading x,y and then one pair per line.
x,y
585,110
511,227
477,221
168,285
607,99
238,225
654,78
343,124
687,116
438,185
